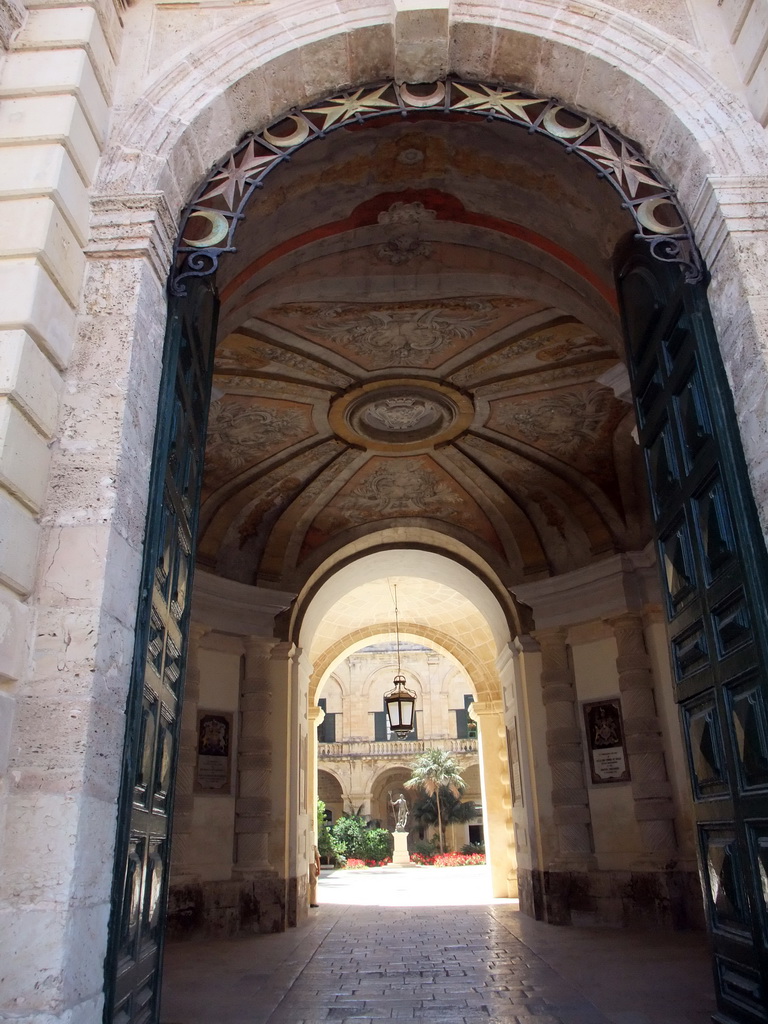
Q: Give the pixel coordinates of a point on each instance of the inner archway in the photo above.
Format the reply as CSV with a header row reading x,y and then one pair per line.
x,y
454,631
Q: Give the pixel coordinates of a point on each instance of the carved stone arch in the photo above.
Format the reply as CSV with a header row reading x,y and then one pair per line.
x,y
484,679
203,104
224,73
335,775
222,88
422,539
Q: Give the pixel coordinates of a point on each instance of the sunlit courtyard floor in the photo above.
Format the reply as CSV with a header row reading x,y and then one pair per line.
x,y
431,944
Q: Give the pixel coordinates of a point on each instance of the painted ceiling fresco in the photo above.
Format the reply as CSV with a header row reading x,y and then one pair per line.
x,y
420,340
504,440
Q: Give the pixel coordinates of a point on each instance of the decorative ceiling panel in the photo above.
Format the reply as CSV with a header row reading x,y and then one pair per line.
x,y
398,334
406,487
244,430
559,344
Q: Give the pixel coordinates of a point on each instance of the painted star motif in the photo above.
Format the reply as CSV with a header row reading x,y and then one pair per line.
x,y
233,179
345,107
625,167
499,101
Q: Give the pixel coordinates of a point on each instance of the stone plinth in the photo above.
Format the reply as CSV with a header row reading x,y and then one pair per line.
x,y
400,855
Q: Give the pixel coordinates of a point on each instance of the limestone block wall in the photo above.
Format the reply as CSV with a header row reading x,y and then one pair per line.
x,y
746,22
57,67
56,84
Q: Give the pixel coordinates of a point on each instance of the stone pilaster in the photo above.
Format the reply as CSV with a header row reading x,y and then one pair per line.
x,y
570,801
497,796
315,717
651,789
253,807
185,773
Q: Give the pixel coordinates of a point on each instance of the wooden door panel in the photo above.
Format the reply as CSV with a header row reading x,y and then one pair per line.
x,y
134,960
714,574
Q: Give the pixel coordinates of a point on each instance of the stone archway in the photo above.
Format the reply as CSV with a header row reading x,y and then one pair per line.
x,y
474,638
200,256
134,223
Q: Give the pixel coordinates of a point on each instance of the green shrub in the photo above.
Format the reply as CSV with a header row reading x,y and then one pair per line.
x,y
328,846
473,848
378,844
359,840
348,831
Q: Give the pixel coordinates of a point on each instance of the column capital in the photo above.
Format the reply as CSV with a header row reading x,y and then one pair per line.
x,y
485,708
549,635
259,646
628,618
524,643
316,715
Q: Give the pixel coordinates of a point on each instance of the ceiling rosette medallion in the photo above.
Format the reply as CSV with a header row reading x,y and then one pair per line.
x,y
209,223
400,415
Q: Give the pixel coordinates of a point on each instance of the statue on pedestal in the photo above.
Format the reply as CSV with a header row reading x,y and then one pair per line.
x,y
400,811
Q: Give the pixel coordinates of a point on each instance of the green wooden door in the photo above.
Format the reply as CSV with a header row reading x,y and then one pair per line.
x,y
134,958
715,576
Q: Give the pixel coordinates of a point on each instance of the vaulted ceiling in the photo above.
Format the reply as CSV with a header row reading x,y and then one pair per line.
x,y
419,335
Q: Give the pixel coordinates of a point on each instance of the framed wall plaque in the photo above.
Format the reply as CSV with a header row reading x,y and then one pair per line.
x,y
605,741
213,771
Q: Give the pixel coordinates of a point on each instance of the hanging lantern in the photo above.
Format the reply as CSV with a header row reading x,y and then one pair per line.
x,y
400,702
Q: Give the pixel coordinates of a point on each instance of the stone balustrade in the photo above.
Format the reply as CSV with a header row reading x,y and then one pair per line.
x,y
393,748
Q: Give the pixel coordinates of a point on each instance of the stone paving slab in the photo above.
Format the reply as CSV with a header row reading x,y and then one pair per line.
x,y
483,963
440,979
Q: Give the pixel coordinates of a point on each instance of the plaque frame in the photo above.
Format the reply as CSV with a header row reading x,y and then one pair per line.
x,y
213,752
608,761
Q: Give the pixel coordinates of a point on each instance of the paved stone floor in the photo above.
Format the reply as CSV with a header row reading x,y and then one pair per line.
x,y
429,944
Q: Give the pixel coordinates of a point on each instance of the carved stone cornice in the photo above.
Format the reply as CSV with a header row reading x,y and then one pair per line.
x,y
315,715
480,708
233,607
605,589
617,379
728,205
12,15
140,226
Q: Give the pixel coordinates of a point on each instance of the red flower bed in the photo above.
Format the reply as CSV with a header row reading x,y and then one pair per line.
x,y
355,863
448,860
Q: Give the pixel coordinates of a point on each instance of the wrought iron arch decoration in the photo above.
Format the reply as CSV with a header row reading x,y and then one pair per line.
x,y
221,202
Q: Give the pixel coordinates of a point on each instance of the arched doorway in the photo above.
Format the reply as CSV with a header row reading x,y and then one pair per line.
x,y
499,546
330,792
465,626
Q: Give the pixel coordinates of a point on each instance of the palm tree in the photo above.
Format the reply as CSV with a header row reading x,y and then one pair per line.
x,y
433,771
454,811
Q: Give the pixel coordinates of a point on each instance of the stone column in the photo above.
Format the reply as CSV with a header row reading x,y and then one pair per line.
x,y
651,789
302,748
185,774
498,827
570,801
253,806
315,717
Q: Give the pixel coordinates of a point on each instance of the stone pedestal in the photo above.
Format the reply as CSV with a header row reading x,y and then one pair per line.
x,y
400,855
